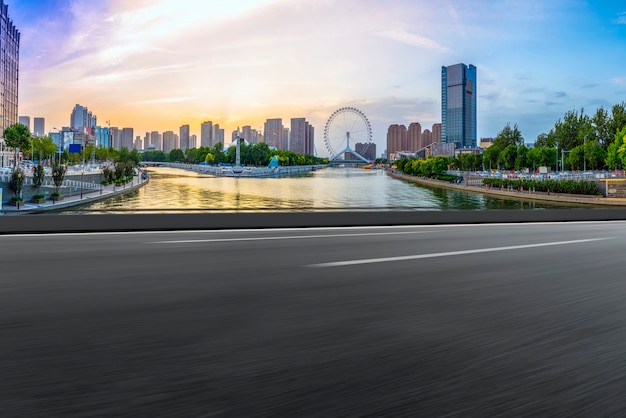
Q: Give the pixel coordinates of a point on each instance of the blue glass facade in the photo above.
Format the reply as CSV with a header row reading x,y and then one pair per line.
x,y
458,105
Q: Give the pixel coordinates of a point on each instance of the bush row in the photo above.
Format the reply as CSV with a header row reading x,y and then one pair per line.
x,y
554,186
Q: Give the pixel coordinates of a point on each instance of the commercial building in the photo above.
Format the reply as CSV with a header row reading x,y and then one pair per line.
x,y
458,105
25,120
81,119
39,127
9,62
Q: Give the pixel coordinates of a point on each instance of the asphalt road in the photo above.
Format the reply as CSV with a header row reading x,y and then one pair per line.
x,y
464,320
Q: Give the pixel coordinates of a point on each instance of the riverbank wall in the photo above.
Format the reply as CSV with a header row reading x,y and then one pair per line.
x,y
72,185
474,185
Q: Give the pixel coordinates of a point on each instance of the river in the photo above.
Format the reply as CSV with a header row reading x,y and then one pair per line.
x,y
175,190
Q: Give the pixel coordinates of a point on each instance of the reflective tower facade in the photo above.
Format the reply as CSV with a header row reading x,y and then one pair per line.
x,y
458,105
9,62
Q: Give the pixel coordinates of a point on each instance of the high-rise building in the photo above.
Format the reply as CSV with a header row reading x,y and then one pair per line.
x,y
102,136
414,137
9,62
25,120
116,137
367,151
218,135
82,119
436,133
246,133
396,139
168,141
427,138
138,144
176,141
128,135
206,134
458,105
184,137
301,137
286,138
193,141
156,142
273,132
39,127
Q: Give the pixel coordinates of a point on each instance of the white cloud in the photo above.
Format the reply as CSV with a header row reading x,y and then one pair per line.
x,y
619,80
413,39
621,19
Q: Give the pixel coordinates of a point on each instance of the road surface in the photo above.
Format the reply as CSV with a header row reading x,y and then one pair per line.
x,y
463,320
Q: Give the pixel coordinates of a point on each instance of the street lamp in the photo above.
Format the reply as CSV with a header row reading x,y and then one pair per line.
x,y
585,154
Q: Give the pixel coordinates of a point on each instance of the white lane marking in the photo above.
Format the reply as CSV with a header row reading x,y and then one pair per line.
x,y
450,253
331,228
193,241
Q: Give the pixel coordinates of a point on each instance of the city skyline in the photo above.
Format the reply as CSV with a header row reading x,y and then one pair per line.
x,y
133,64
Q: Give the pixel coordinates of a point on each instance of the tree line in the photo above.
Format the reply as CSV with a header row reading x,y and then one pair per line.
x,y
251,154
580,140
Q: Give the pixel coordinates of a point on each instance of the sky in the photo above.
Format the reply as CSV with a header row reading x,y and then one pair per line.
x,y
160,64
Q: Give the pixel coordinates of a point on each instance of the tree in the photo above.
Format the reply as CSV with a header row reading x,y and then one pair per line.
x,y
44,147
58,176
507,157
571,132
177,155
521,160
16,182
601,127
39,175
17,136
508,136
620,138
191,156
491,156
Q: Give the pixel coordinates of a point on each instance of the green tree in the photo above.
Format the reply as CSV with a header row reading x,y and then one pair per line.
x,y
191,156
39,175
601,122
16,182
508,136
508,156
177,155
17,136
620,138
491,156
571,131
44,147
521,159
613,159
618,118
58,175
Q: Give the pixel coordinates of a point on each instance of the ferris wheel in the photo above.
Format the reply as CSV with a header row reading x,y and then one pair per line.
x,y
347,126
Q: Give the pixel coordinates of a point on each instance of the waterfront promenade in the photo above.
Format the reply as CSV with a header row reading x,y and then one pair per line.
x,y
78,199
476,186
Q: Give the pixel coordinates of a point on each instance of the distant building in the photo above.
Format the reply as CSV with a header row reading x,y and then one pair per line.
x,y
218,135
102,136
436,134
168,141
207,134
302,136
156,141
458,105
396,139
486,142
138,144
25,120
81,119
427,138
184,137
39,127
127,138
367,151
116,137
414,137
193,141
273,132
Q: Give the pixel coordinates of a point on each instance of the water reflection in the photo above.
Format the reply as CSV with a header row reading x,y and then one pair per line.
x,y
172,190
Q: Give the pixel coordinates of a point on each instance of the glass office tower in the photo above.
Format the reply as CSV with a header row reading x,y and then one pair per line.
x,y
458,105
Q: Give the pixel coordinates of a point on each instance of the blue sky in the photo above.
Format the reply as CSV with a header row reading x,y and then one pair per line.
x,y
158,64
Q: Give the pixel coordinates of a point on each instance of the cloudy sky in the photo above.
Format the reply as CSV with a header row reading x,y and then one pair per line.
x,y
159,64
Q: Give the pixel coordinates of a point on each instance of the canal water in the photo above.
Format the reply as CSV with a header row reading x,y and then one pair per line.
x,y
342,188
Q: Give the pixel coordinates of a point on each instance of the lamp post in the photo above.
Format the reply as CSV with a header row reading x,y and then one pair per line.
x,y
585,154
